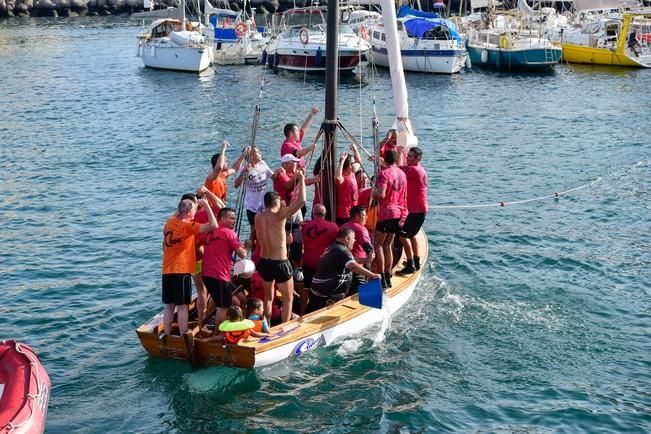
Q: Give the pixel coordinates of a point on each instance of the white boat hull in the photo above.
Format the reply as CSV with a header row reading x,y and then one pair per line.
x,y
163,56
334,334
432,61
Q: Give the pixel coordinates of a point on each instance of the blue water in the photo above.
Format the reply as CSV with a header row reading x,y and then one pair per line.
x,y
530,318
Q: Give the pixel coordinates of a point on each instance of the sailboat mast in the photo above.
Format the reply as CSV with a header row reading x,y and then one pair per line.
x,y
329,127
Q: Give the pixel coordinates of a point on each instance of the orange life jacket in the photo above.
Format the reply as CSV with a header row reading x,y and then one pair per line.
x,y
234,337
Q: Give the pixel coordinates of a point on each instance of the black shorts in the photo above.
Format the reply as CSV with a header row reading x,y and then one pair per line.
x,y
250,216
274,270
308,275
412,225
295,251
221,291
390,226
177,288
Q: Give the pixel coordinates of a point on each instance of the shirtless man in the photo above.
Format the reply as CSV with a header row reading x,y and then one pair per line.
x,y
274,265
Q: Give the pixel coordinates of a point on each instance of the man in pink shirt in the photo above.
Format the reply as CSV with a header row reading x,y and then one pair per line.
x,y
391,191
416,206
318,234
284,177
346,186
294,137
219,247
362,249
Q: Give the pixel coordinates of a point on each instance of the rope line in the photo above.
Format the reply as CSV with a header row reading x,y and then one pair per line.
x,y
555,195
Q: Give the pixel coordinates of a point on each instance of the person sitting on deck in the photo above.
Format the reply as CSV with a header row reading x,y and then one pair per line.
x,y
235,327
255,313
346,186
416,208
254,176
391,191
362,249
180,261
333,275
274,267
219,246
294,137
317,234
216,179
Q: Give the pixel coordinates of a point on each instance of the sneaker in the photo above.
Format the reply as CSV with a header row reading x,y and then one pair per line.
x,y
409,269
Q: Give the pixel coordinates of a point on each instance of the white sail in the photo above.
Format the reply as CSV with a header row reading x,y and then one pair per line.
x,y
406,135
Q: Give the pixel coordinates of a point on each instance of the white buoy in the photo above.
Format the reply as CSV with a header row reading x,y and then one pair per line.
x,y
244,268
484,56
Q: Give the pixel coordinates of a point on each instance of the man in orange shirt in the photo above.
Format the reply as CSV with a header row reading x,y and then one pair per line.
x,y
216,179
180,261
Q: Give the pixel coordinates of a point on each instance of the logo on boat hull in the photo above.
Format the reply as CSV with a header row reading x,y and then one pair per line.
x,y
308,344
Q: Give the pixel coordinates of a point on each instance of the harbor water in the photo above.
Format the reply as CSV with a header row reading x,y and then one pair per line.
x,y
531,317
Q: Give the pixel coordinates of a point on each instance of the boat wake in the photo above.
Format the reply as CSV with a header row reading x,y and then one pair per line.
x,y
222,381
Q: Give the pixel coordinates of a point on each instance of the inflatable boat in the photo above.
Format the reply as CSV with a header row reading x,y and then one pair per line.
x,y
24,389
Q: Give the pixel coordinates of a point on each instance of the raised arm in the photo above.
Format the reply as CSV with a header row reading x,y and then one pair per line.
x,y
299,199
212,197
238,163
355,151
240,177
304,151
308,120
339,174
212,221
216,170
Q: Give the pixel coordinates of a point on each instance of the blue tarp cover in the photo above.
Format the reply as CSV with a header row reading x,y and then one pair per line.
x,y
406,11
417,27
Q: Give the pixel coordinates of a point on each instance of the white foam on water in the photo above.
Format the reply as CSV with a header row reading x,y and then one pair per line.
x,y
349,346
380,336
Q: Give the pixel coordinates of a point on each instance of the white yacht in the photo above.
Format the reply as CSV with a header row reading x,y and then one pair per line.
x,y
174,44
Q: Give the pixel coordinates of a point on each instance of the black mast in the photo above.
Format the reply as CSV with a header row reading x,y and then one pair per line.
x,y
329,126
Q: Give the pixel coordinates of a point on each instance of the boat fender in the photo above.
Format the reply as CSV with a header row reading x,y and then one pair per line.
x,y
236,326
363,32
240,29
484,56
468,62
304,36
318,57
505,42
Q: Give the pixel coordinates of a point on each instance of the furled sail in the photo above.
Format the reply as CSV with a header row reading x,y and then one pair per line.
x,y
406,135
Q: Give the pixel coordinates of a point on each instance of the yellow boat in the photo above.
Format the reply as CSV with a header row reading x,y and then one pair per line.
x,y
620,40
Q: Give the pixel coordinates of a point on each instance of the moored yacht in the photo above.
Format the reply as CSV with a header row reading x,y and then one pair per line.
x,y
428,43
174,44
300,44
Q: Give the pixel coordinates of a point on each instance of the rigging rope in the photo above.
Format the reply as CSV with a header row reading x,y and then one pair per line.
x,y
555,195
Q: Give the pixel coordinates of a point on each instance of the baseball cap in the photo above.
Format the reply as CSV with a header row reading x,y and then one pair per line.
x,y
287,158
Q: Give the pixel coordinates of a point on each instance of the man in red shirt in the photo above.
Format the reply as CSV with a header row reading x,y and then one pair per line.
x,y
219,246
416,207
284,177
180,261
346,186
362,249
318,234
294,137
391,191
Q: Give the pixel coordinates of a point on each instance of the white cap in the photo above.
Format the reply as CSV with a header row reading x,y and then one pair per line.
x,y
244,268
288,157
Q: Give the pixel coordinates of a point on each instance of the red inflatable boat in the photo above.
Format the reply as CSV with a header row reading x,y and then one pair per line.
x,y
24,389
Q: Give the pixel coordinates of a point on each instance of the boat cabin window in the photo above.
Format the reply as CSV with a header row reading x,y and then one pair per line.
x,y
304,20
164,29
612,29
376,35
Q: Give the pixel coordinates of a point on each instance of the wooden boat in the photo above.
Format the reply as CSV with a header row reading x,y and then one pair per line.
x,y
314,330
24,389
327,325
